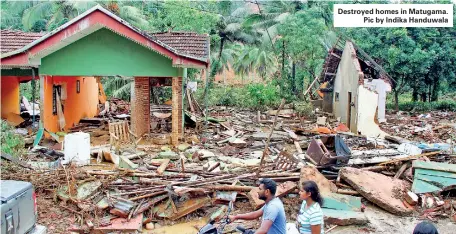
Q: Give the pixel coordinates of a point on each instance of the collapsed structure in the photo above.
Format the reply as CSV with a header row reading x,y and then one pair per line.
x,y
354,88
69,60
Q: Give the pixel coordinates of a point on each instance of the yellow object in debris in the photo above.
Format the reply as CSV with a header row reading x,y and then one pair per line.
x,y
322,86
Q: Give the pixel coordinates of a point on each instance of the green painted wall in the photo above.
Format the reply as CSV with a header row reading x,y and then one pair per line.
x,y
104,53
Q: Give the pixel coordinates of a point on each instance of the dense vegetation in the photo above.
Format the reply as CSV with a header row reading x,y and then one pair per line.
x,y
285,42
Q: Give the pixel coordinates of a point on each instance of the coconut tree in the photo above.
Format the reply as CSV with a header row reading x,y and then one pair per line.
x,y
257,59
119,87
57,13
230,29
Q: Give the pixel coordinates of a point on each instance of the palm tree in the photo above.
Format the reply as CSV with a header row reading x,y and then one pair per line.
x,y
230,29
256,59
58,12
270,15
118,87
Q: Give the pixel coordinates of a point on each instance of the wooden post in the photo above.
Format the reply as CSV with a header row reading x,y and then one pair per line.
x,y
184,80
265,151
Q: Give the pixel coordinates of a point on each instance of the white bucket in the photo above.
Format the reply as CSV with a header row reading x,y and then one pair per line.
x,y
76,148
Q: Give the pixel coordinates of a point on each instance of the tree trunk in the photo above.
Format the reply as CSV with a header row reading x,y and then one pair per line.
x,y
222,42
423,97
435,89
414,93
283,59
396,100
293,78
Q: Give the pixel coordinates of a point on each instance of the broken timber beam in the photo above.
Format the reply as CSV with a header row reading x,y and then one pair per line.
x,y
163,166
229,188
270,134
411,157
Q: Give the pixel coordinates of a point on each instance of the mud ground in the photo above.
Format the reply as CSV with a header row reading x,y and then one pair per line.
x,y
383,222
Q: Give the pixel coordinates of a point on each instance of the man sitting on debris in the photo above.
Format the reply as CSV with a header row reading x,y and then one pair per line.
x,y
273,221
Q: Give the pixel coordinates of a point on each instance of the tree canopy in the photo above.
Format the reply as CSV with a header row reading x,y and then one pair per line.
x,y
280,41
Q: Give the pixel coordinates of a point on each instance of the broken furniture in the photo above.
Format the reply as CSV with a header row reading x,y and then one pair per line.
x,y
120,133
160,121
321,155
285,161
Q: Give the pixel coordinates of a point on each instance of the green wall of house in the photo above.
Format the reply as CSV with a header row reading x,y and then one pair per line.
x,y
105,53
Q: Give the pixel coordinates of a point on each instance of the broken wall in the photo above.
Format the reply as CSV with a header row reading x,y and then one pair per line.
x,y
10,95
367,107
349,76
75,105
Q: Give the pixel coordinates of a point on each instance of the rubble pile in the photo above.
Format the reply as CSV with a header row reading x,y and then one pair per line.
x,y
432,127
114,107
156,186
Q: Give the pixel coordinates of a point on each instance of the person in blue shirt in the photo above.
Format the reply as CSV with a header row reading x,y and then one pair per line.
x,y
425,228
273,220
310,217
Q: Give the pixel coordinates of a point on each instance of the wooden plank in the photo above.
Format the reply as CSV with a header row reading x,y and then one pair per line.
x,y
410,157
435,166
163,166
400,171
335,55
341,202
127,131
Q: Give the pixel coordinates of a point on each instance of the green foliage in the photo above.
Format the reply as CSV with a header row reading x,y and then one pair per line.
x,y
444,105
304,108
11,143
284,43
39,26
117,87
26,89
254,96
183,16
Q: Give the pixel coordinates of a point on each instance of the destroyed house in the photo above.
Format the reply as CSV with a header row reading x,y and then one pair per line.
x,y
354,88
67,64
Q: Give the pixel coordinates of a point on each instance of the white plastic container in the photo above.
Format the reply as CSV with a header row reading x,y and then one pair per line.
x,y
76,148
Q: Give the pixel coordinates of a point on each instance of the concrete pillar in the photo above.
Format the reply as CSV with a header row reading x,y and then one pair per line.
x,y
140,106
